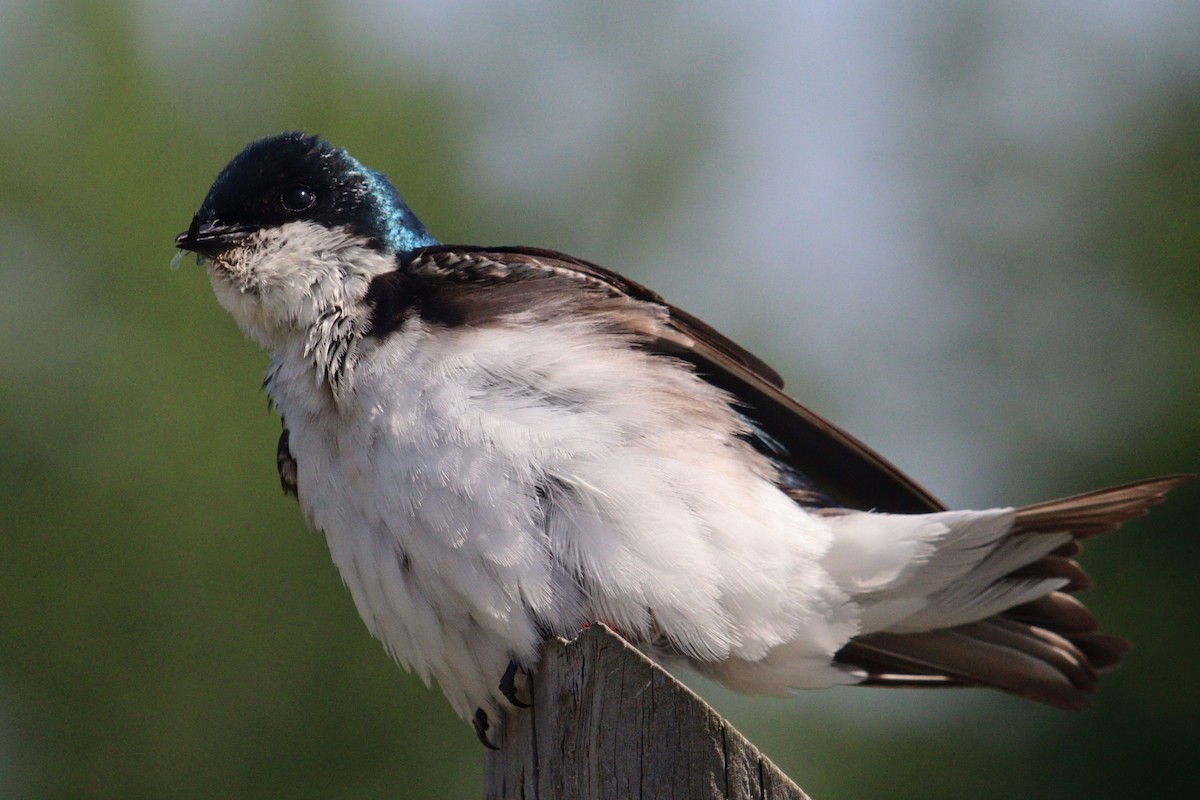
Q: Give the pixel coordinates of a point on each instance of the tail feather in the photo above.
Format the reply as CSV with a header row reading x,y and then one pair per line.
x,y
1056,612
1068,549
1073,576
962,656
1047,649
1100,511
1103,650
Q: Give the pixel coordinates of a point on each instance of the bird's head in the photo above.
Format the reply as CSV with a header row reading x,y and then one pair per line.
x,y
293,225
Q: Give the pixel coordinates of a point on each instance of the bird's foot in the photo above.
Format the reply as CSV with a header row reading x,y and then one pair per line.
x,y
480,723
508,686
286,463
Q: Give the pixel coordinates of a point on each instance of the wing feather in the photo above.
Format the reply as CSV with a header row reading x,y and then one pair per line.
x,y
839,465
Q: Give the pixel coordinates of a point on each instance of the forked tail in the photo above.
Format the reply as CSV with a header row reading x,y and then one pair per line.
x,y
1048,649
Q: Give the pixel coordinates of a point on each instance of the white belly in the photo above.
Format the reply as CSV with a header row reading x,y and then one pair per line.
x,y
479,490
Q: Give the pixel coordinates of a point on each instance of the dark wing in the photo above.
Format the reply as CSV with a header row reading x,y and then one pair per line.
x,y
834,462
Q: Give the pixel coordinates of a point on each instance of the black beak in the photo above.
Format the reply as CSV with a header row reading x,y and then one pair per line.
x,y
211,238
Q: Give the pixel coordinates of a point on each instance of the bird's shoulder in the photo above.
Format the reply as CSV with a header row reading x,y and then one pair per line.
x,y
472,285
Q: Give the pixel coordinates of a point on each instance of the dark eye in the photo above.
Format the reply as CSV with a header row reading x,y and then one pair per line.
x,y
297,198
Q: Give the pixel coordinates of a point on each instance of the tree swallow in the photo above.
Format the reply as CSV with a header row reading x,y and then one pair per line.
x,y
504,444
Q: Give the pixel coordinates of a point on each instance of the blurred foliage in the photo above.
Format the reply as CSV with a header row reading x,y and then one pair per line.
x,y
167,626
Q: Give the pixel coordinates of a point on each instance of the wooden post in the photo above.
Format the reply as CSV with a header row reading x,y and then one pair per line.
x,y
607,722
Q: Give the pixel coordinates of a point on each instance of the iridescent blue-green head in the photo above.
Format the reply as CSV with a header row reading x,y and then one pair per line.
x,y
293,227
293,177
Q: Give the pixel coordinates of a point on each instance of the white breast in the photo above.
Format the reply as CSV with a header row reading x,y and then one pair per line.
x,y
482,488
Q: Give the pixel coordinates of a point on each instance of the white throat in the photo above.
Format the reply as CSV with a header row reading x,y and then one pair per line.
x,y
281,282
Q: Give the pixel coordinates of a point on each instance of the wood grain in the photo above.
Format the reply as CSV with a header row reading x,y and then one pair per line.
x,y
607,722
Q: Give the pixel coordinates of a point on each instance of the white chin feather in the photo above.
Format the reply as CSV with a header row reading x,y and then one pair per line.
x,y
280,280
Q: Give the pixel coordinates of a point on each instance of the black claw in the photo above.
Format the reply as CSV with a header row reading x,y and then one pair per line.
x,y
286,463
480,724
508,686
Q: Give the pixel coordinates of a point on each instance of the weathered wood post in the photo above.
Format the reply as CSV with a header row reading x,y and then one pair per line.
x,y
608,723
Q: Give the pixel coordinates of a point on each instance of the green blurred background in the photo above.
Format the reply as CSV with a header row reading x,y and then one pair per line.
x,y
968,234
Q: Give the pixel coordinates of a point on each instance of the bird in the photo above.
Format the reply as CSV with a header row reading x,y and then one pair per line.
x,y
502,445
